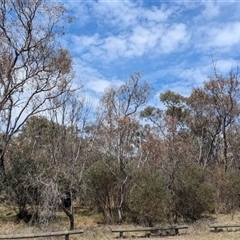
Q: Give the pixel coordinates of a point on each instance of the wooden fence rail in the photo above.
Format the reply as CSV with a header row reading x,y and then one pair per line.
x,y
150,229
37,235
217,227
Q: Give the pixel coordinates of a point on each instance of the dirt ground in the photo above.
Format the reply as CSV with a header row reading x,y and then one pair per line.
x,y
104,233
94,230
199,230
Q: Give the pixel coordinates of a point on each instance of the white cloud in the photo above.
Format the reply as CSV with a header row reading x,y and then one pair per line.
x,y
156,14
136,43
224,66
195,75
188,78
182,79
216,38
225,35
79,12
211,10
177,34
127,14
132,31
98,85
118,13
82,43
142,40
114,46
94,83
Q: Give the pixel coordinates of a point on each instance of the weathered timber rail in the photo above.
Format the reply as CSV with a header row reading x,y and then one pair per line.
x,y
38,235
217,227
150,229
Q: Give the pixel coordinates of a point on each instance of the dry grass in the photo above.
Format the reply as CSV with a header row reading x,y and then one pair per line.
x,y
94,230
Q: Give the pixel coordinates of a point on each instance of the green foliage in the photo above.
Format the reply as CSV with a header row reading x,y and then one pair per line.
x,y
39,169
175,104
193,195
229,192
170,98
102,185
22,188
128,171
149,199
151,112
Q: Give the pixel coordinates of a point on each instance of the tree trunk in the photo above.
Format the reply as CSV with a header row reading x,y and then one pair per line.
x,y
225,160
70,216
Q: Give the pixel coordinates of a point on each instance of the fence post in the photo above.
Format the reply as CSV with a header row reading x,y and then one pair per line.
x,y
67,237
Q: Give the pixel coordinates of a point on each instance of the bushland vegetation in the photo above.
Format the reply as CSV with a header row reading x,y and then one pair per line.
x,y
144,165
127,160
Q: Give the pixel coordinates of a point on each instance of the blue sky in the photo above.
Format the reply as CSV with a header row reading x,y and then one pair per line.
x,y
173,43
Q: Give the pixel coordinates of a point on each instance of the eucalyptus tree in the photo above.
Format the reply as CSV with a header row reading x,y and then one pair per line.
x,y
172,148
170,142
34,68
214,109
46,161
70,151
27,161
175,104
119,128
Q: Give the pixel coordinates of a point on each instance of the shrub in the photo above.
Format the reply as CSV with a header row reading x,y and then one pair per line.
x,y
148,202
21,185
229,192
192,193
102,188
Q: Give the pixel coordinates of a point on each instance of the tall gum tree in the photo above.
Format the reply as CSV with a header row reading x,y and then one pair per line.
x,y
34,68
225,94
53,152
213,111
119,108
69,150
170,143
